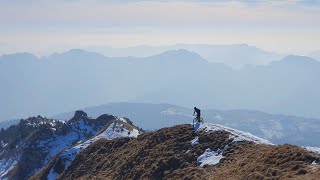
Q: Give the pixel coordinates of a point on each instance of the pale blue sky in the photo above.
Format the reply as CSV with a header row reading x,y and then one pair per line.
x,y
42,27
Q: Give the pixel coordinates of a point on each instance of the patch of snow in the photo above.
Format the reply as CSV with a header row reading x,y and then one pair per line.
x,y
134,133
123,120
195,141
52,175
57,143
6,165
236,135
210,157
313,149
78,132
314,166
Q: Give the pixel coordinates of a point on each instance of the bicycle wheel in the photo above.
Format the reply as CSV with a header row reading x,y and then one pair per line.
x,y
193,122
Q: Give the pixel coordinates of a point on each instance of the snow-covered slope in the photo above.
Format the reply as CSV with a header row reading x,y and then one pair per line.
x,y
313,149
18,144
30,145
236,135
210,157
116,129
6,165
78,131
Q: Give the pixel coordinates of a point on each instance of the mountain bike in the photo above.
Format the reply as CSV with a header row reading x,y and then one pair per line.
x,y
196,119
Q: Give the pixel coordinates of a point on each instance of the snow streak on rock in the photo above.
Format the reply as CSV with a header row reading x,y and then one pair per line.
x,y
195,141
6,165
78,132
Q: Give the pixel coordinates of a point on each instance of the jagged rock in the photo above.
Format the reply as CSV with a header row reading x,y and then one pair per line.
x,y
31,144
78,115
105,118
59,163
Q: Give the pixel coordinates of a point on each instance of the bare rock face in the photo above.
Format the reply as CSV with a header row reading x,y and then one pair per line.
x,y
105,118
78,116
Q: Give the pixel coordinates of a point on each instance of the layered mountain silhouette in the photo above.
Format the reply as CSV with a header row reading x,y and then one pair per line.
x,y
75,79
315,55
234,55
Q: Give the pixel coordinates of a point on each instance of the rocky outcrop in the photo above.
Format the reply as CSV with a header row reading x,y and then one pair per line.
x,y
60,162
78,115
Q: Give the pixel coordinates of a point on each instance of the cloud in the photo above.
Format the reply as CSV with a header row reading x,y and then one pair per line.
x,y
64,23
157,13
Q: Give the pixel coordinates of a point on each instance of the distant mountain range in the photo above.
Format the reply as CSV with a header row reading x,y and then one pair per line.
x,y
74,79
315,55
6,124
278,129
234,55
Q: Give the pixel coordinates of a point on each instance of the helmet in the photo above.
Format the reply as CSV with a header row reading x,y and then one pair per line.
x,y
194,108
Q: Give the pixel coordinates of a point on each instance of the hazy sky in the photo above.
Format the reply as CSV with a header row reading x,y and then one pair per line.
x,y
44,26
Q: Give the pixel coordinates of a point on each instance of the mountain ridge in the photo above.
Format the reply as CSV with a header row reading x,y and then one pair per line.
x,y
213,53
299,60
180,152
29,146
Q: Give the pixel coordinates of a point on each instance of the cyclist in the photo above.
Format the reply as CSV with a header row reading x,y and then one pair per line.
x,y
198,111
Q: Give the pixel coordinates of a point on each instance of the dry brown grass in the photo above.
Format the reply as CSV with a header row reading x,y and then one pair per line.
x,y
156,155
253,161
163,155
